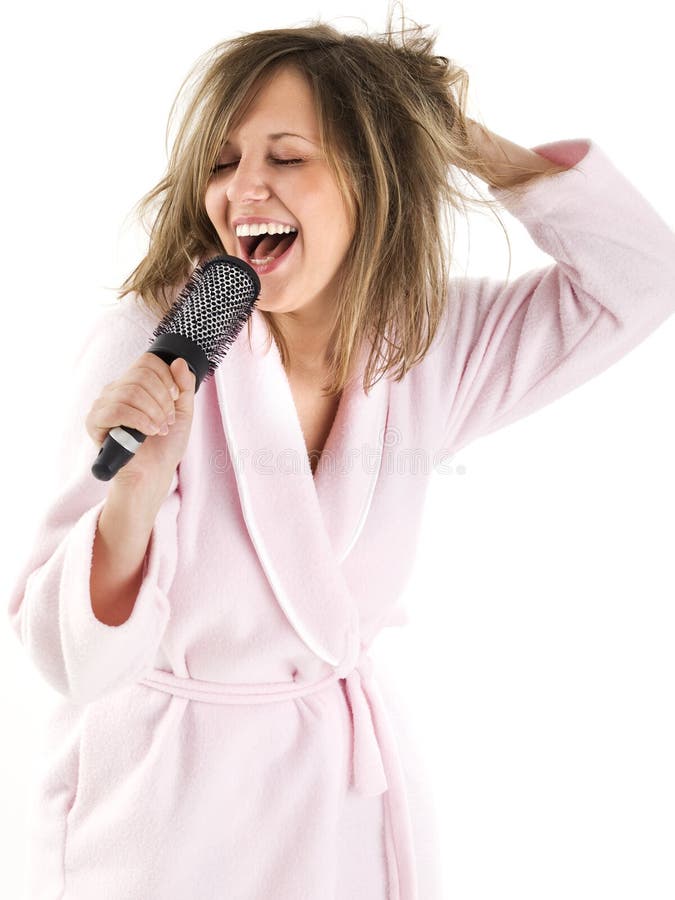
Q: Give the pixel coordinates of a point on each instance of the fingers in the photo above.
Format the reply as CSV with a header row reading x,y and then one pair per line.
x,y
157,367
102,419
149,389
182,375
142,398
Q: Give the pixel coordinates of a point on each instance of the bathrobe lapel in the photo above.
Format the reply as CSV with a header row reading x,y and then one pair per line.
x,y
302,527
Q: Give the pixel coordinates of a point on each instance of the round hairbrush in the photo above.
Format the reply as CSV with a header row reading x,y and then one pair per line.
x,y
206,318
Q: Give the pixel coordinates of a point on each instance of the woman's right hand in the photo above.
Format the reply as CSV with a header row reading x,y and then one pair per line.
x,y
142,398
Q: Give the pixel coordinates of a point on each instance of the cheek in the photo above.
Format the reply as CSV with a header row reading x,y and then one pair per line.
x,y
342,228
214,206
343,234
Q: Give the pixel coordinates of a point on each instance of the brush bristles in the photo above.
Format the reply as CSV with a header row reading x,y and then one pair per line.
x,y
213,306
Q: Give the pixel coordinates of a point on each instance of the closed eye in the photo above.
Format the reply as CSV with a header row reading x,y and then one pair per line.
x,y
281,162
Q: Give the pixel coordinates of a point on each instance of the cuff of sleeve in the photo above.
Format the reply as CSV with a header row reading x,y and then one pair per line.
x,y
99,656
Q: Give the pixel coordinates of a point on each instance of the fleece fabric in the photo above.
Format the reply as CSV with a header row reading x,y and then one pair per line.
x,y
230,739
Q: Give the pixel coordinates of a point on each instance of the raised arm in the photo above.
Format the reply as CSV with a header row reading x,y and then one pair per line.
x,y
509,348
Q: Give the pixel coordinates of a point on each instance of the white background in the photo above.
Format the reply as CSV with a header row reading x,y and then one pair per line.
x,y
537,666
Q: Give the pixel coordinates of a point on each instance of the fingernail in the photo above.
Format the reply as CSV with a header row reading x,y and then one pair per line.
x,y
175,392
164,429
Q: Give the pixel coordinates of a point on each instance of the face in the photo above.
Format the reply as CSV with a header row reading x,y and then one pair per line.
x,y
286,180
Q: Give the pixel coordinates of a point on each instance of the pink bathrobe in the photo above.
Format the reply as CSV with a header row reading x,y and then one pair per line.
x,y
229,741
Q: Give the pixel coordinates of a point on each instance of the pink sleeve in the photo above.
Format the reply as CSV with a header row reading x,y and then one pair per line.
x,y
512,347
50,604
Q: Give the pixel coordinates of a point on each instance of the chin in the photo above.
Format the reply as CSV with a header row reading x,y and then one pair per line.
x,y
268,303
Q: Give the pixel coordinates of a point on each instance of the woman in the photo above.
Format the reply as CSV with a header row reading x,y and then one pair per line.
x,y
207,614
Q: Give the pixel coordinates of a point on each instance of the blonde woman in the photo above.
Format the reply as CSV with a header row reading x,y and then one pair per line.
x,y
207,615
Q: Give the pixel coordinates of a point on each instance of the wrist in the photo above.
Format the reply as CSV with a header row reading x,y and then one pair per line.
x,y
143,495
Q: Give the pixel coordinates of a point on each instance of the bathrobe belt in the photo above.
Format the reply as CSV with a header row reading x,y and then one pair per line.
x,y
376,765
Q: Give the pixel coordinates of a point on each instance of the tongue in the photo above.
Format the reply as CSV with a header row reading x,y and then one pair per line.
x,y
273,245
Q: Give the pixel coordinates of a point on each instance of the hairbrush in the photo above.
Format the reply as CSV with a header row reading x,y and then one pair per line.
x,y
206,318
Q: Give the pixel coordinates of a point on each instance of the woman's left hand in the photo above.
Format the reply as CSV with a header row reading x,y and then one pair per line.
x,y
503,163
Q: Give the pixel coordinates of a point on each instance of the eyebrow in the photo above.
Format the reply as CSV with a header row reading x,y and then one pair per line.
x,y
279,134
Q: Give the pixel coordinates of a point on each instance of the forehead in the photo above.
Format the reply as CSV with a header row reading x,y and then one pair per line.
x,y
282,106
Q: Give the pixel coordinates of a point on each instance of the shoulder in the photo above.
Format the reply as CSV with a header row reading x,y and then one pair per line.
x,y
118,333
129,312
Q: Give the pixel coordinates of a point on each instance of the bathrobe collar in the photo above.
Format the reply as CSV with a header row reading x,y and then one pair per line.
x,y
301,526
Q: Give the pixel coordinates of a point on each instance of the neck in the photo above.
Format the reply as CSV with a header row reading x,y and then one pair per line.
x,y
308,338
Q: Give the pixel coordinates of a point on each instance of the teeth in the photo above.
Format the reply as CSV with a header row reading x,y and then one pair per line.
x,y
269,228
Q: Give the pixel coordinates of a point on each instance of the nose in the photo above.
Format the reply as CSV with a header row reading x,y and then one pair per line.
x,y
247,183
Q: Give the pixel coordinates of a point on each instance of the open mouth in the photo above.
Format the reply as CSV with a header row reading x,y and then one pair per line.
x,y
265,246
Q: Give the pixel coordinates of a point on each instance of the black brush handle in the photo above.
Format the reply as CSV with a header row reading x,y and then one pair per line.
x,y
122,442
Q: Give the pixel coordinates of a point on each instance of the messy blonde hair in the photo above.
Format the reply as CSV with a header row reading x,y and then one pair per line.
x,y
393,129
